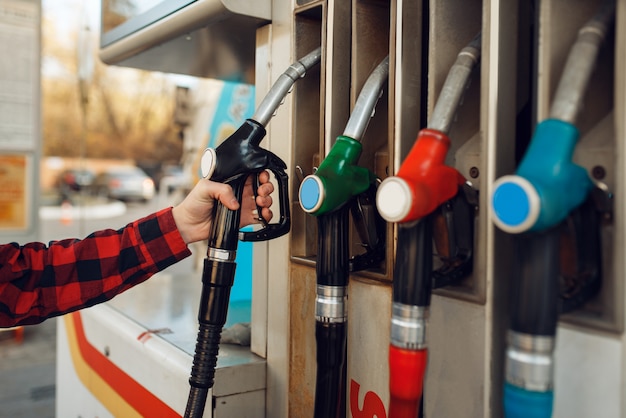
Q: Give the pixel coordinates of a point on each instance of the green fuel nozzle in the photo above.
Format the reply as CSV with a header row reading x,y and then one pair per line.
x,y
339,187
339,178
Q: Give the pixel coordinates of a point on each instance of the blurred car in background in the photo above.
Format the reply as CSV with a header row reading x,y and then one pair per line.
x,y
124,183
173,177
74,180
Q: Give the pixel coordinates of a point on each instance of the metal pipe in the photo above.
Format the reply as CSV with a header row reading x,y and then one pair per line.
x,y
580,64
455,85
283,85
366,102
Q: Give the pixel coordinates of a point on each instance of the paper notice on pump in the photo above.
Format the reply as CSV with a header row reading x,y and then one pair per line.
x,y
19,79
15,193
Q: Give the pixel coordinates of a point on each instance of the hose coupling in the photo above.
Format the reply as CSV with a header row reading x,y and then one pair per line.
x,y
408,326
529,361
331,304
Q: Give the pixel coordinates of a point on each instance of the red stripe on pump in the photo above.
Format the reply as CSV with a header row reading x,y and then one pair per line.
x,y
137,396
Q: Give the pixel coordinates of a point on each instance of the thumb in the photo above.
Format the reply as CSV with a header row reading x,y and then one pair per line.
x,y
224,193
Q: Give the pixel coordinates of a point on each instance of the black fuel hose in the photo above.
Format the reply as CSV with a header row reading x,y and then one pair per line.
x,y
534,309
217,279
332,270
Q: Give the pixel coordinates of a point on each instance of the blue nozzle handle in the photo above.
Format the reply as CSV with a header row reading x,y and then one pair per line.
x,y
522,403
547,185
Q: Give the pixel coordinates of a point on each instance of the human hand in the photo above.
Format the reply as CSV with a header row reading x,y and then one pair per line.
x,y
249,213
194,215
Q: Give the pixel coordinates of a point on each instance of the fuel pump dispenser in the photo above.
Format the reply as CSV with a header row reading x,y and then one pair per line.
x,y
238,157
338,186
496,339
546,190
424,192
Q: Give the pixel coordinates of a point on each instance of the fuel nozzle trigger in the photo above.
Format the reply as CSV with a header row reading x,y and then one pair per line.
x,y
273,230
240,156
371,228
453,236
581,252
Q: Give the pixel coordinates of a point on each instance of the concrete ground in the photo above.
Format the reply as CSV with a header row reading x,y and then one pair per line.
x,y
27,372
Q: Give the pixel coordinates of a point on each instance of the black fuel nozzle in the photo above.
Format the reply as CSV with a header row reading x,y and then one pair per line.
x,y
240,155
237,158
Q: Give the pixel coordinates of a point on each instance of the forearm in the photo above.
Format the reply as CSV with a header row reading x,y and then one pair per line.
x,y
38,282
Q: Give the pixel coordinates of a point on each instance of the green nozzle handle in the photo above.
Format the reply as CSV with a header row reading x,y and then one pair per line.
x,y
337,180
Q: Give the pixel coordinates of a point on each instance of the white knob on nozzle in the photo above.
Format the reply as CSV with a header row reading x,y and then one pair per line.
x,y
208,162
394,199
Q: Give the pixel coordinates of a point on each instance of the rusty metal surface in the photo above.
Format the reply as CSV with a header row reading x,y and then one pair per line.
x,y
302,341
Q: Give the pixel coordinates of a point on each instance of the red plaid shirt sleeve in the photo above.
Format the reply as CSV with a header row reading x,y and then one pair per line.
x,y
39,281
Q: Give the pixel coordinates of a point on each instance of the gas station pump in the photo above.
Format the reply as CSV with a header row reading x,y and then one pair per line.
x,y
338,186
232,162
546,188
422,186
461,236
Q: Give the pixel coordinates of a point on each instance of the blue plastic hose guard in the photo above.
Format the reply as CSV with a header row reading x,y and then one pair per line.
x,y
522,403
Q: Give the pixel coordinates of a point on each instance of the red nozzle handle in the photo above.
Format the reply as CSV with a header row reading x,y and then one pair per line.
x,y
423,181
406,380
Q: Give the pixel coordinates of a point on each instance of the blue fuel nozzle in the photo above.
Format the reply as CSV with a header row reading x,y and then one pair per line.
x,y
547,184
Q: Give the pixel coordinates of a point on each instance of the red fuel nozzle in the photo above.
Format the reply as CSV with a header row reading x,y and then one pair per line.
x,y
423,182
